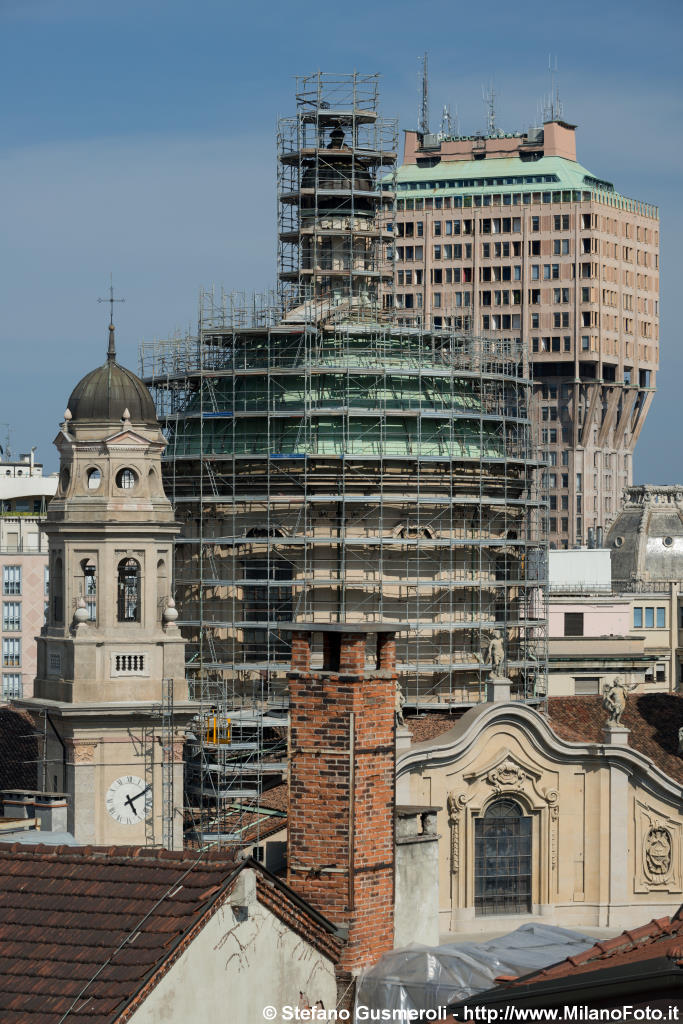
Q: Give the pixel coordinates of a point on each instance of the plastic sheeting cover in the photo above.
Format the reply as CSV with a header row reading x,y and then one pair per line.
x,y
425,977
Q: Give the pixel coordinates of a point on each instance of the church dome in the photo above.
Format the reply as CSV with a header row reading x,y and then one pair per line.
x,y
646,538
105,393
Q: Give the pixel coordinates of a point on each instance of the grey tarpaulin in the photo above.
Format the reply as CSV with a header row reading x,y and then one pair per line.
x,y
424,977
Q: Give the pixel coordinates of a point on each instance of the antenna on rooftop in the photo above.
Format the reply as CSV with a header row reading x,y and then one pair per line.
x,y
489,97
552,108
423,113
446,122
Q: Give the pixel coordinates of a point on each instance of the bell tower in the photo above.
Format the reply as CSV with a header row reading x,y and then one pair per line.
x,y
110,653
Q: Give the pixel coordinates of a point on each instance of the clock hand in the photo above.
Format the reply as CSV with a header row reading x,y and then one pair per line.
x,y
130,801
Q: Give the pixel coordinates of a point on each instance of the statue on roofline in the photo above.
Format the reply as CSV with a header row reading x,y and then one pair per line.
x,y
614,699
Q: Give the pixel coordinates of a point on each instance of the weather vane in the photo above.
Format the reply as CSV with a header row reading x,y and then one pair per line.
x,y
111,300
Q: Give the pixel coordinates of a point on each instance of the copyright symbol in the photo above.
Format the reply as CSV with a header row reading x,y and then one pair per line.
x,y
269,1012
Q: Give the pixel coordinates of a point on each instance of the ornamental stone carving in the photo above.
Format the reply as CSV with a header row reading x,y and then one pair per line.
x,y
507,775
82,751
657,852
455,802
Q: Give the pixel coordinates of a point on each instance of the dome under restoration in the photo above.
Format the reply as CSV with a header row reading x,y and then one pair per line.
x,y
105,393
646,538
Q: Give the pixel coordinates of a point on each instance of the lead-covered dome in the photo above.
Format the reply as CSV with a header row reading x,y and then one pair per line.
x,y
646,538
105,393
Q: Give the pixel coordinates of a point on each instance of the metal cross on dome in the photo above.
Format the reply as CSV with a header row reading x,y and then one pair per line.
x,y
111,300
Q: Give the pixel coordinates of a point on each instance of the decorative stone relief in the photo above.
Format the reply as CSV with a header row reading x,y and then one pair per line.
x,y
505,776
82,751
455,803
554,830
658,851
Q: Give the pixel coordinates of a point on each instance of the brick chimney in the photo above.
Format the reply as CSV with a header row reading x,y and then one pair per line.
x,y
342,785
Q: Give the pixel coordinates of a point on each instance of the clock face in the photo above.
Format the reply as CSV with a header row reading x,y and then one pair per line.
x,y
129,800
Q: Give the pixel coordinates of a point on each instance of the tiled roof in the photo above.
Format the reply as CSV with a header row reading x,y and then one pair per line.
x,y
247,818
89,927
661,938
653,718
432,724
275,798
19,750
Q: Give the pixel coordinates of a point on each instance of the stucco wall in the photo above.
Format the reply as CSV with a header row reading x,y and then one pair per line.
x,y
597,813
243,960
608,618
416,910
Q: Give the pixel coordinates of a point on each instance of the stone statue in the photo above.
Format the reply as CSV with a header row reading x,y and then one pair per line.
x,y
614,699
398,706
495,654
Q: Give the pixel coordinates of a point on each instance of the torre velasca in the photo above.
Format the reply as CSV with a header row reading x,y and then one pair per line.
x,y
508,234
333,465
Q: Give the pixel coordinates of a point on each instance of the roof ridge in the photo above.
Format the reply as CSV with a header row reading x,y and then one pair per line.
x,y
10,850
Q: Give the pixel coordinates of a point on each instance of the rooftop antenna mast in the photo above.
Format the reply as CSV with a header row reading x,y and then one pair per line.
x,y
449,122
489,97
423,114
553,110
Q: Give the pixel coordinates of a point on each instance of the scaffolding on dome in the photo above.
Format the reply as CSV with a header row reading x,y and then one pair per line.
x,y
329,464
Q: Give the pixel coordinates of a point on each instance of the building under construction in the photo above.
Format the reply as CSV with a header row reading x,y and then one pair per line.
x,y
329,465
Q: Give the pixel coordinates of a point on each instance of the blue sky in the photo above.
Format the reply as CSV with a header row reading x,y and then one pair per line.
x,y
138,138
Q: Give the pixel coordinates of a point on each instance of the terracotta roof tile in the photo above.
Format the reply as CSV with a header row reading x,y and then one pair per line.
x,y
653,719
432,723
19,750
661,937
67,911
246,819
101,923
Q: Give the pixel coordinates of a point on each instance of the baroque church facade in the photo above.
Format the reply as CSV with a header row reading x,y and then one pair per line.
x,y
562,817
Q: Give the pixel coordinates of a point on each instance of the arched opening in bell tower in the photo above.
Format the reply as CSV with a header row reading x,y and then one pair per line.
x,y
128,591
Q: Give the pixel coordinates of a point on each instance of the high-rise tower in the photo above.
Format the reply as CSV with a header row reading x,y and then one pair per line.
x,y
510,236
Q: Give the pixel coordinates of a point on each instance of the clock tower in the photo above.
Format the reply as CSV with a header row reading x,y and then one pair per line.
x,y
110,692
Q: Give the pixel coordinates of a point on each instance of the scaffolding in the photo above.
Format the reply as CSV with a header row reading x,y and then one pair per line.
x,y
330,464
336,166
352,473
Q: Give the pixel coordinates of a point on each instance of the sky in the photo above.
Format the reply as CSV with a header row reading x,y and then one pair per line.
x,y
137,139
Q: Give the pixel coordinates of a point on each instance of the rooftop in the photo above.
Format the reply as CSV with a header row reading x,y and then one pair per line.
x,y
19,750
90,929
661,937
508,174
652,718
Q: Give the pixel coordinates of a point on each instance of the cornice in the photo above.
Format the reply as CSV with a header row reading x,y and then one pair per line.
x,y
459,741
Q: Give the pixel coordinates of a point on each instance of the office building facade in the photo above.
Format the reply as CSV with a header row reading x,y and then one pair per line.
x,y
509,235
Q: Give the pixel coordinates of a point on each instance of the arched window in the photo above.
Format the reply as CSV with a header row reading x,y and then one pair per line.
x,y
502,860
162,585
126,479
57,590
90,588
128,596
